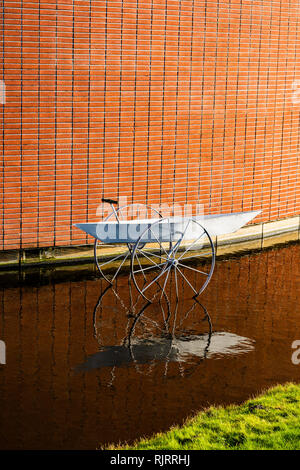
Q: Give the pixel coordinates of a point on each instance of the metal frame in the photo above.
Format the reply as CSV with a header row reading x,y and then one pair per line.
x,y
166,255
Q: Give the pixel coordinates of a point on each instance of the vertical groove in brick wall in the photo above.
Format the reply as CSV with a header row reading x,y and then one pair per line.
x,y
88,118
149,107
176,114
72,121
159,102
214,102
281,144
38,129
189,107
285,205
3,147
55,131
246,117
21,134
275,106
233,202
202,100
135,100
256,110
265,149
298,136
120,104
104,106
163,101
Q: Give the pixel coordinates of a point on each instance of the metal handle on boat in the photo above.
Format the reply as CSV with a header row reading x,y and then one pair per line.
x,y
110,201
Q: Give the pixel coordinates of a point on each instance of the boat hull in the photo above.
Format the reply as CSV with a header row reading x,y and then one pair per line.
x,y
168,229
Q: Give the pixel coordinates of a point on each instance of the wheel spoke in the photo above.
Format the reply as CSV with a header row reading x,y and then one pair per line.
x,y
148,268
116,273
190,247
166,317
142,253
140,265
114,259
160,244
176,282
164,286
174,248
153,254
193,269
187,280
179,241
196,256
154,280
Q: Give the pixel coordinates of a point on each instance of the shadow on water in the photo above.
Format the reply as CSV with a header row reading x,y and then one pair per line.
x,y
89,364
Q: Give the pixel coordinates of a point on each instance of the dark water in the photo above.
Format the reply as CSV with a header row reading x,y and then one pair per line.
x,y
87,367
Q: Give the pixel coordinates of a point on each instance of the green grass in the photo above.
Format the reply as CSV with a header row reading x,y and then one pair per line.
x,y
270,421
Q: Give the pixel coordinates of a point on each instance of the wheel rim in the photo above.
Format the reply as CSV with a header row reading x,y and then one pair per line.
x,y
183,259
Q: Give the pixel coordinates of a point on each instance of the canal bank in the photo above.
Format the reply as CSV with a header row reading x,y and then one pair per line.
x,y
267,422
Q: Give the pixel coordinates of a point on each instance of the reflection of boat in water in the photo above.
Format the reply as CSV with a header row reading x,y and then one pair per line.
x,y
159,333
220,344
185,349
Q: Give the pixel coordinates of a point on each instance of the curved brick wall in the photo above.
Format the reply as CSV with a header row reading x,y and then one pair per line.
x,y
156,100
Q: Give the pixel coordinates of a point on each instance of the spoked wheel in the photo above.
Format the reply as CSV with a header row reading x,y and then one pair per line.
x,y
109,267
113,265
177,253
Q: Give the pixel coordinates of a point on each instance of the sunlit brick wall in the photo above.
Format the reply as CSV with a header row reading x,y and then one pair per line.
x,y
158,100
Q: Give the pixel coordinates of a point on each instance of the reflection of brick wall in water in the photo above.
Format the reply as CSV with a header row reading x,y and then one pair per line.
x,y
49,331
175,101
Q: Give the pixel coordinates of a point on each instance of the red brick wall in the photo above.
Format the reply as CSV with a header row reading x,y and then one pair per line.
x,y
156,100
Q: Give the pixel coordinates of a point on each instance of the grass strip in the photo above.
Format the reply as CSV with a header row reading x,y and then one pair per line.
x,y
269,421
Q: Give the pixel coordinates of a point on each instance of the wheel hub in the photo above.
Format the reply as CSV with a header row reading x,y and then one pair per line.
x,y
172,262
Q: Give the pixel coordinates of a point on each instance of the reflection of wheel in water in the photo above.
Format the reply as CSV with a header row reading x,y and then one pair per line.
x,y
168,341
168,338
108,267
150,336
126,308
178,251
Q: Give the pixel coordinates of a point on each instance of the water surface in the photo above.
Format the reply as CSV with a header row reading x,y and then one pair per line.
x,y
88,366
